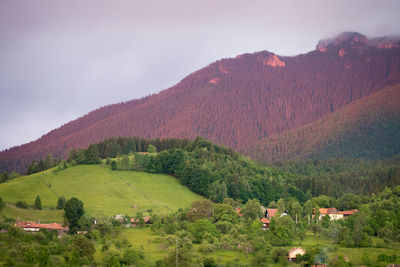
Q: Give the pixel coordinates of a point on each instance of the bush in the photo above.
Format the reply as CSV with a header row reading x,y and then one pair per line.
x,y
21,204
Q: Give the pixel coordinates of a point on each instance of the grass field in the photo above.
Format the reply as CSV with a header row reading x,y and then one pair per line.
x,y
44,216
104,192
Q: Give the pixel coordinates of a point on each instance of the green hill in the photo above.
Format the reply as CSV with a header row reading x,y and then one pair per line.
x,y
104,192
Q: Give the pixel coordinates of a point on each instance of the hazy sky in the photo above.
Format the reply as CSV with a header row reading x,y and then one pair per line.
x,y
61,59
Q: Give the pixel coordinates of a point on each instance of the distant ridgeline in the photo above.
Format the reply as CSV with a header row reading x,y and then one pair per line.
x,y
218,172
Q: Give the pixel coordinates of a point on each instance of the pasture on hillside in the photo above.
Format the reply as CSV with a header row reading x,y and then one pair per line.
x,y
104,192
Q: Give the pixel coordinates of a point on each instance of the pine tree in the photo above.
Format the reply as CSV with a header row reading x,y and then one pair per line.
x,y
38,203
61,202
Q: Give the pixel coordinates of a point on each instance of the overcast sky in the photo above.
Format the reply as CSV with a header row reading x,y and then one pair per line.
x,y
61,59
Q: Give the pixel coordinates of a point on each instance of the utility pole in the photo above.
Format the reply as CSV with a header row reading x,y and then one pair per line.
x,y
177,264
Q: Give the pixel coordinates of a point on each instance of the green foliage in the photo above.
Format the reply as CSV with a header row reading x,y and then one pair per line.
x,y
2,204
38,203
123,164
224,212
283,230
200,209
114,165
73,212
92,155
252,210
5,177
42,165
279,255
151,149
200,227
326,221
61,203
21,204
217,191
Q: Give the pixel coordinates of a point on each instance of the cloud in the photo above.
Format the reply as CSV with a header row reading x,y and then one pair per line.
x,y
62,59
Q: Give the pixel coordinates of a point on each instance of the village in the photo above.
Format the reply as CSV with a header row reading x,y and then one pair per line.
x,y
269,213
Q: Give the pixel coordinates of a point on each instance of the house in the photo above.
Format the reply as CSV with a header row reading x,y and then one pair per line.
x,y
294,252
331,212
119,217
334,214
35,227
347,213
265,223
269,213
238,211
135,222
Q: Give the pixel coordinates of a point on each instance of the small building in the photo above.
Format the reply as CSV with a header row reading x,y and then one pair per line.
x,y
269,213
294,252
265,223
135,222
347,213
35,227
238,211
334,214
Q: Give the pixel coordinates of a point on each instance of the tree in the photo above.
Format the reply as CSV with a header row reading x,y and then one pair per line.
x,y
5,177
38,203
114,165
252,210
281,206
124,163
199,228
217,191
92,155
200,209
73,211
61,202
296,209
151,149
326,220
2,204
283,230
308,209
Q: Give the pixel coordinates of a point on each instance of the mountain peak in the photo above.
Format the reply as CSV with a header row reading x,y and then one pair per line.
x,y
354,38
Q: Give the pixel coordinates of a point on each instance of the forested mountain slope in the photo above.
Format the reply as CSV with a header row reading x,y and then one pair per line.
x,y
236,101
367,128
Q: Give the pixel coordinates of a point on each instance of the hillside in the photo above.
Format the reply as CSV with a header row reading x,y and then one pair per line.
x,y
103,191
367,128
236,101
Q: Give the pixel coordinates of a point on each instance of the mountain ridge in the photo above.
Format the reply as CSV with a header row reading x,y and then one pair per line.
x,y
335,135
235,101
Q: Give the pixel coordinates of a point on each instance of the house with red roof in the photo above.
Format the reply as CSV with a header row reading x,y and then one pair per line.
x,y
35,227
265,223
269,213
334,214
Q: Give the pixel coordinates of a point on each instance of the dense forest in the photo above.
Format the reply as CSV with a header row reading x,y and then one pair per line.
x,y
235,102
368,128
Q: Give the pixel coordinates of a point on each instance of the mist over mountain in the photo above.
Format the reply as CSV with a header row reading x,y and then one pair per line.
x,y
236,101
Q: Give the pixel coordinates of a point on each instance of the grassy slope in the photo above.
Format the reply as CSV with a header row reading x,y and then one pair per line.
x,y
103,191
368,128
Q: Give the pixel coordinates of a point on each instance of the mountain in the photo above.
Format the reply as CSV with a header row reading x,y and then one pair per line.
x,y
367,128
236,101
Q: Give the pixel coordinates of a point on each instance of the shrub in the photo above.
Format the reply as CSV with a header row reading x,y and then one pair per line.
x,y
22,204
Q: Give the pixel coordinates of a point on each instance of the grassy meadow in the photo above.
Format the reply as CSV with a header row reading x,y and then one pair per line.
x,y
104,192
